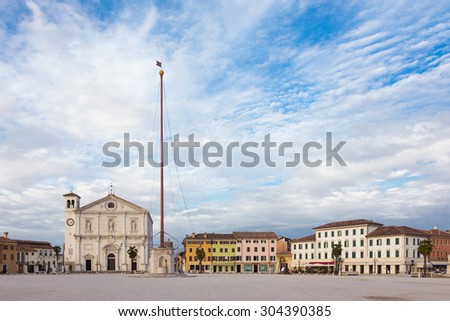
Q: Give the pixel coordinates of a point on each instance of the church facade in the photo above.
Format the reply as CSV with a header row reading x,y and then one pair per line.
x,y
98,236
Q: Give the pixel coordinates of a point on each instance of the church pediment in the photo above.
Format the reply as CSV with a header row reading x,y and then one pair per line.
x,y
111,204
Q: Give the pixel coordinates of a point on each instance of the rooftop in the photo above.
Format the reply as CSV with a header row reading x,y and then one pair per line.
x,y
214,236
309,238
255,235
396,230
436,232
34,244
347,223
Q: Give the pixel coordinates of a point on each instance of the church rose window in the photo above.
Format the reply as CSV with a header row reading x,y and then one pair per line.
x,y
111,205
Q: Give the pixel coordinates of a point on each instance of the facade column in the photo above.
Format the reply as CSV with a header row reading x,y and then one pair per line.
x,y
99,240
145,245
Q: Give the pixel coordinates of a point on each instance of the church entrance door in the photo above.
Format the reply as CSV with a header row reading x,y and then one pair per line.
x,y
111,262
88,265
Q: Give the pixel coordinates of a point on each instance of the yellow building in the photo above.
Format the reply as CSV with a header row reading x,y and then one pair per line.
x,y
191,244
223,253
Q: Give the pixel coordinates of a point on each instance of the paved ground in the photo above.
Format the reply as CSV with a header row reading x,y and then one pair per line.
x,y
205,287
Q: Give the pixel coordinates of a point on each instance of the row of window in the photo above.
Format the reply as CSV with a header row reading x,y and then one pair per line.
x,y
441,242
225,250
223,242
248,258
257,241
4,257
5,247
396,253
45,253
325,244
378,242
214,250
339,233
354,255
255,249
440,254
256,258
225,258
227,242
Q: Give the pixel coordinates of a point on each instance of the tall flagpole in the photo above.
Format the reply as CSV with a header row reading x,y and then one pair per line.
x,y
161,235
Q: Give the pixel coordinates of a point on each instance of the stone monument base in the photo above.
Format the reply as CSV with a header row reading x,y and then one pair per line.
x,y
161,260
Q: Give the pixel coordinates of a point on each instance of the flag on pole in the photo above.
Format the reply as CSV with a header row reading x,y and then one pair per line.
x,y
158,63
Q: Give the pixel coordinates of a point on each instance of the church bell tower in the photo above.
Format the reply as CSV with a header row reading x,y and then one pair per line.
x,y
71,204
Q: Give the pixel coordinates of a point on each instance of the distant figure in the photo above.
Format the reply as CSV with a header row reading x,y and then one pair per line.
x,y
88,225
111,225
133,225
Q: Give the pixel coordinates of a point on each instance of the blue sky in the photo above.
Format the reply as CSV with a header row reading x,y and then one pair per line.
x,y
77,74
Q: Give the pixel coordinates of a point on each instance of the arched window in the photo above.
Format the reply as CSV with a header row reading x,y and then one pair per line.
x,y
68,203
73,204
161,261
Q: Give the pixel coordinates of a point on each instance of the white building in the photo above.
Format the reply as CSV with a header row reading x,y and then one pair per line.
x,y
304,251
98,235
367,247
316,250
393,249
36,257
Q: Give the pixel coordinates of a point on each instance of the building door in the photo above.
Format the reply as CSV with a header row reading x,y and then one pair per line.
x,y
88,265
238,268
361,269
134,265
111,262
255,268
379,269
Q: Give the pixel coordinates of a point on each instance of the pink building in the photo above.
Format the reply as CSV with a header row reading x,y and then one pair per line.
x,y
256,252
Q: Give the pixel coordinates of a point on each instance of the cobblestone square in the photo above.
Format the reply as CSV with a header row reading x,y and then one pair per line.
x,y
220,287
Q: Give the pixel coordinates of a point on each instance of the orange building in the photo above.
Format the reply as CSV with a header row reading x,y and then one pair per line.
x,y
8,249
441,247
191,244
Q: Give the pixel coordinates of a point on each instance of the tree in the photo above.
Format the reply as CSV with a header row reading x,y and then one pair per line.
x,y
425,248
336,252
200,253
132,253
57,250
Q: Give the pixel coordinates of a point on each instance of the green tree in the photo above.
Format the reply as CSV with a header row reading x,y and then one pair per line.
x,y
132,253
57,250
336,252
200,253
425,248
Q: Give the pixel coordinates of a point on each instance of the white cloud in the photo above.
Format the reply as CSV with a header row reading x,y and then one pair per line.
x,y
70,83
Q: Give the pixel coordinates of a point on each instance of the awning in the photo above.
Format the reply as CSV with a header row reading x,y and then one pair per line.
x,y
318,264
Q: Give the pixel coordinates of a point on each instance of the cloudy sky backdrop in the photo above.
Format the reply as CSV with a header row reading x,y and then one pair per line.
x,y
77,74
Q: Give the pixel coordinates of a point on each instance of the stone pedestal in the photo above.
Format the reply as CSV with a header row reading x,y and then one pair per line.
x,y
161,259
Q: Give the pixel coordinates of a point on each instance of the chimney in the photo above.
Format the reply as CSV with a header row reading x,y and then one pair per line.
x,y
5,234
